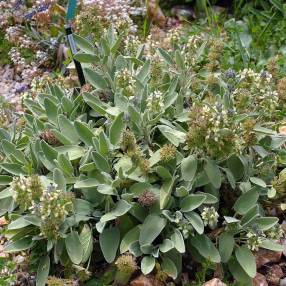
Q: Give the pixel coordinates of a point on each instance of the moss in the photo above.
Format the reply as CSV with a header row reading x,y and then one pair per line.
x,y
5,47
27,54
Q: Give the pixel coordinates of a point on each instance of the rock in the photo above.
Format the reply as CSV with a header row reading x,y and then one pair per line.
x,y
3,221
2,253
146,281
259,280
214,282
19,259
264,256
275,273
185,278
218,9
8,73
183,12
284,247
155,13
283,282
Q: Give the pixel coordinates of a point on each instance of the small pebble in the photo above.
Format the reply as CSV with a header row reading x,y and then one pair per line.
x,y
283,282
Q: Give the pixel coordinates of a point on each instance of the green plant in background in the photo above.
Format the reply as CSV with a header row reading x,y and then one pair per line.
x,y
6,112
143,168
4,49
6,272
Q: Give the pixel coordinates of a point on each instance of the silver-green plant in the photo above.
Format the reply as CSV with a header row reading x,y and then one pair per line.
x,y
143,165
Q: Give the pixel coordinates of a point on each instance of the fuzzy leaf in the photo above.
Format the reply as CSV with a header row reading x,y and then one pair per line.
x,y
169,267
189,168
43,271
271,245
206,248
238,273
116,129
130,237
101,162
109,242
84,132
196,222
246,201
83,44
59,179
265,223
74,247
151,228
178,241
226,245
95,79
246,260
86,240
174,136
19,245
192,202
147,264
213,173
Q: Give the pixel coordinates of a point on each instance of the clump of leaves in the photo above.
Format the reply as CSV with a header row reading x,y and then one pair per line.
x,y
4,49
163,172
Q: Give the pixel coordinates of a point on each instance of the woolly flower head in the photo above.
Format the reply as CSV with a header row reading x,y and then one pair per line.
x,y
147,199
253,240
210,217
276,232
128,141
126,82
126,263
131,44
54,206
155,102
49,137
230,74
194,42
26,190
168,152
213,129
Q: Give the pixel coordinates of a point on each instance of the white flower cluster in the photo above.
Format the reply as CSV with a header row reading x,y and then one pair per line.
x,y
53,203
222,123
41,56
126,82
155,102
174,35
26,190
150,49
16,58
190,49
210,217
194,42
13,34
26,42
276,232
118,12
261,88
131,44
11,9
253,240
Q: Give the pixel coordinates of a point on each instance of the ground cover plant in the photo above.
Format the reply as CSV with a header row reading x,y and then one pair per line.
x,y
170,160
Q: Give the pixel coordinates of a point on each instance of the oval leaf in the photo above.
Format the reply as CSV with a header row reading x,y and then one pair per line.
x,y
246,260
109,242
43,271
147,264
74,247
189,168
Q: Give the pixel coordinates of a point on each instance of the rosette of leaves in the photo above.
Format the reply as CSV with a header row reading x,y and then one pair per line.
x,y
137,186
